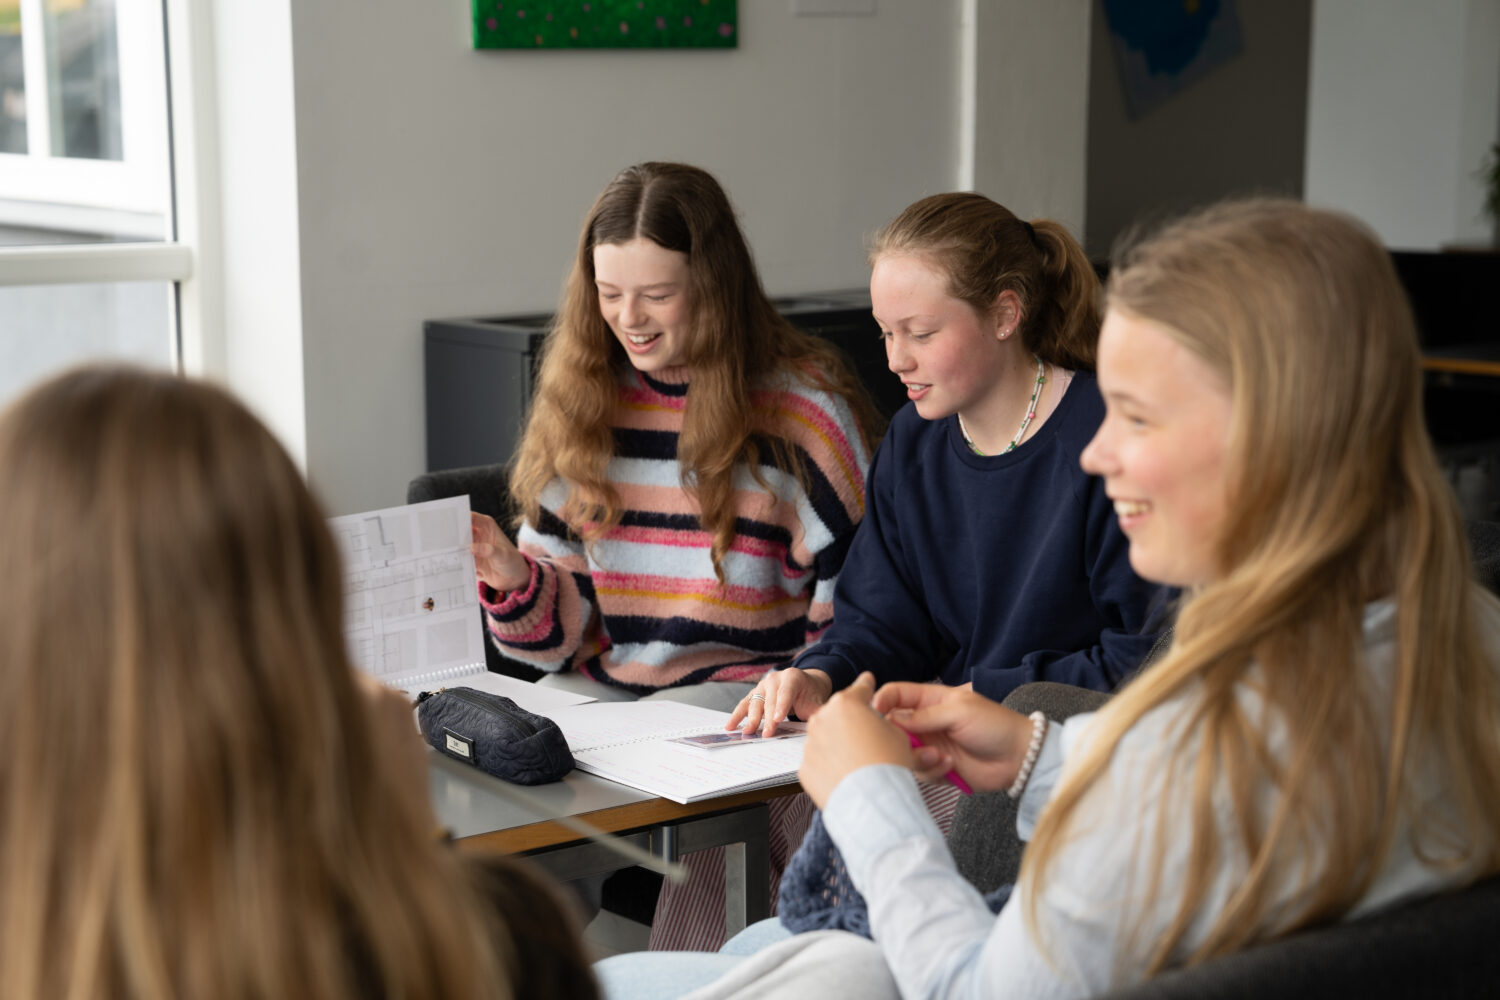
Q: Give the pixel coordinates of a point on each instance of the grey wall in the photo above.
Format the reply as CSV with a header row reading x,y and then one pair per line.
x,y
378,172
434,180
1403,108
1029,99
1241,129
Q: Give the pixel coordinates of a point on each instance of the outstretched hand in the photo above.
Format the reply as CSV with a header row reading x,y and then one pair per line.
x,y
779,694
496,560
965,732
845,735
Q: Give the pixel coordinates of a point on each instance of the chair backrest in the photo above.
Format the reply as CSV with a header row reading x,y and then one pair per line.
x,y
1484,548
982,839
1441,946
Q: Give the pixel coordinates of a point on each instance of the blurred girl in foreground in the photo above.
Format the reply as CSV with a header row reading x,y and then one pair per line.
x,y
200,797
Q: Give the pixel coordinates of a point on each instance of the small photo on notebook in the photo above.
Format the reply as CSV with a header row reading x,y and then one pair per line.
x,y
736,738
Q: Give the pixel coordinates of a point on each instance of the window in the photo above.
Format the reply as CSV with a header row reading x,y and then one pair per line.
x,y
50,327
89,266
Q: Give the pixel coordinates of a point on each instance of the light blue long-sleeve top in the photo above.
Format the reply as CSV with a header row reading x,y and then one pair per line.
x,y
940,940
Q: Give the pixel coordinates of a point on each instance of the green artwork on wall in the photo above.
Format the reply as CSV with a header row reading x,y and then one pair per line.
x,y
605,24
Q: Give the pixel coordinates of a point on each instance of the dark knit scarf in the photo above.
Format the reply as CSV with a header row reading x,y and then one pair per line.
x,y
818,895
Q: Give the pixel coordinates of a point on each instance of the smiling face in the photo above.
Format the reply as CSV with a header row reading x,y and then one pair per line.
x,y
644,297
947,356
1162,449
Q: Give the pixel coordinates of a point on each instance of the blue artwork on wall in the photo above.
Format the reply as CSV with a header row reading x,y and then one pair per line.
x,y
1162,46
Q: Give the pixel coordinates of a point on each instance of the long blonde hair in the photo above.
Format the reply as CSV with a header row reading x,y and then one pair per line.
x,y
1337,500
739,343
983,249
196,799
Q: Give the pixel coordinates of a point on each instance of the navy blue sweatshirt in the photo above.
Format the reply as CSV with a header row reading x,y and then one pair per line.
x,y
1000,569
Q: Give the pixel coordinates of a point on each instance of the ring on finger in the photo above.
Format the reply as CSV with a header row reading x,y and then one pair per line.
x,y
757,697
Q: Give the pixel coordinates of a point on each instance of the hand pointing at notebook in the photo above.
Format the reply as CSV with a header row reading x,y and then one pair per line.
x,y
779,695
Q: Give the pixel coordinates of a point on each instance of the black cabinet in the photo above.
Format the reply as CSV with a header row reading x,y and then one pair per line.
x,y
479,372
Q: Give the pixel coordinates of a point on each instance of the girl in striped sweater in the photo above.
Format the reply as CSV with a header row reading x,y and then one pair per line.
x,y
690,477
692,469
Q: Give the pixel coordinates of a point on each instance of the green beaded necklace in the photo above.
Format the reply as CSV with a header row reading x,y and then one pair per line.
x,y
1036,392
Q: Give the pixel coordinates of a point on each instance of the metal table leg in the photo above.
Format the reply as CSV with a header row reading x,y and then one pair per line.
x,y
744,833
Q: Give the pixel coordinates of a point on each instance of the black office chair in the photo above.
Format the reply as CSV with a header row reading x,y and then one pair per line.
x,y
488,490
1484,549
1441,946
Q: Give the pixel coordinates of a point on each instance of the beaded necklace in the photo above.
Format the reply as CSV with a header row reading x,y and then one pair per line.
x,y
1041,379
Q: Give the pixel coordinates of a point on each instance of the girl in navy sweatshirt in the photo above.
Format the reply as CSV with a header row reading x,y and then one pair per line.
x,y
987,556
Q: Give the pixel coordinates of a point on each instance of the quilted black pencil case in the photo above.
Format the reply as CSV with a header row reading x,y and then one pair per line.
x,y
494,734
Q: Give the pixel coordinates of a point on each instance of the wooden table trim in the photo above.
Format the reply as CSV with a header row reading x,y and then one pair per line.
x,y
1461,366
616,819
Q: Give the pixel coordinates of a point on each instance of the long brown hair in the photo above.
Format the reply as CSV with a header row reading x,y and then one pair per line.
x,y
197,801
1336,500
984,249
740,342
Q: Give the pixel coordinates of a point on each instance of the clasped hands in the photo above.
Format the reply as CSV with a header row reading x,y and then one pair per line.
x,y
962,731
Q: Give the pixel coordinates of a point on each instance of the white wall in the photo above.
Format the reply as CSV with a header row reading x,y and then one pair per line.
x,y
1404,100
432,180
438,181
1030,105
252,299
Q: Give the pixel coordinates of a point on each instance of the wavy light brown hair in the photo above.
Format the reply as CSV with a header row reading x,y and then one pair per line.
x,y
197,800
1336,499
740,342
984,249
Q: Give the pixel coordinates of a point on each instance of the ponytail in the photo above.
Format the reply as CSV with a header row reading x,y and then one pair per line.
x,y
1063,325
984,249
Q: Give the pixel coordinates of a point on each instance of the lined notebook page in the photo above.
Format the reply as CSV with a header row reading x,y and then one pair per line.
x,y
616,723
629,742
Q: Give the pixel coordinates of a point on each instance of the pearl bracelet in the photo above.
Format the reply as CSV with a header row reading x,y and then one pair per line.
x,y
1033,750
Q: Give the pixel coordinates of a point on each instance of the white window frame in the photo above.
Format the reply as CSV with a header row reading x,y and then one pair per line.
x,y
189,257
134,184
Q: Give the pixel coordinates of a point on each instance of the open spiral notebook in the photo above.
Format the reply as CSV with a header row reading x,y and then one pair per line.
x,y
634,743
412,620
411,609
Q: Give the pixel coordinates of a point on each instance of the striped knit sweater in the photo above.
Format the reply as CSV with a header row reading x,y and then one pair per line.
x,y
641,608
